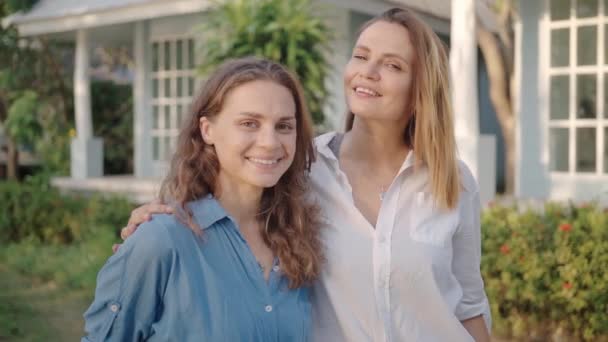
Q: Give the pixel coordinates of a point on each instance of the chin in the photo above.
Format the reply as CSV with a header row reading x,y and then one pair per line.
x,y
264,182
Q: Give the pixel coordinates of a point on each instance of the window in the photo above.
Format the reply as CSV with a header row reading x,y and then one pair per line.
x,y
172,79
578,86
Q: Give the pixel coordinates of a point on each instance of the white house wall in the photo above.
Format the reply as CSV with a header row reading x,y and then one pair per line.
x,y
338,19
176,25
142,157
532,178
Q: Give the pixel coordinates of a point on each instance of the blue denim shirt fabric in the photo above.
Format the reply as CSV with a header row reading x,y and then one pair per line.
x,y
167,284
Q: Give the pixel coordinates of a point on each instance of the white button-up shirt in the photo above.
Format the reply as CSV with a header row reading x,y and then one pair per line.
x,y
413,277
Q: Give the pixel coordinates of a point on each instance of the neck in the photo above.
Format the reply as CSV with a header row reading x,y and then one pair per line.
x,y
241,202
380,143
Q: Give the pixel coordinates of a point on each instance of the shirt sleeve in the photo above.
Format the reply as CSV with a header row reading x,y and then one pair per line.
x,y
130,287
466,262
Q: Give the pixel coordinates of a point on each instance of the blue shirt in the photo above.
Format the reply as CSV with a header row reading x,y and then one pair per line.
x,y
165,283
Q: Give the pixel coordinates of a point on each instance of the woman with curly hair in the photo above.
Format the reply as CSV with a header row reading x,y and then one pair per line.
x,y
235,260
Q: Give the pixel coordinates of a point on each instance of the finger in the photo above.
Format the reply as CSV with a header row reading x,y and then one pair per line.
x,y
158,209
124,233
131,229
137,216
115,247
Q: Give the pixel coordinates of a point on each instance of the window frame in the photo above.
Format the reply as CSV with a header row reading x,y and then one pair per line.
x,y
600,70
158,129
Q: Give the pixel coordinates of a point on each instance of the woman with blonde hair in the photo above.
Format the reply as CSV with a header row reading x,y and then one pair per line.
x,y
236,260
402,235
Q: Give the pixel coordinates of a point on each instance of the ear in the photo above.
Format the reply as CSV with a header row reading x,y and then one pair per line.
x,y
206,128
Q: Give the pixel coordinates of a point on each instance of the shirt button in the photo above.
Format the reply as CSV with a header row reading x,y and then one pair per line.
x,y
276,268
381,239
114,308
268,308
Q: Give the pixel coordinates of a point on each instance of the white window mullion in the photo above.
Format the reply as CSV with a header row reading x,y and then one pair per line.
x,y
599,151
572,93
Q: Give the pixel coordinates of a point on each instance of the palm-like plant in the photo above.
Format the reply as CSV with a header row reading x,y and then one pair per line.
x,y
286,31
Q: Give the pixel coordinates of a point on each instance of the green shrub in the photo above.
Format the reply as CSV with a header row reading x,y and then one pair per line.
x,y
55,237
545,271
72,266
34,210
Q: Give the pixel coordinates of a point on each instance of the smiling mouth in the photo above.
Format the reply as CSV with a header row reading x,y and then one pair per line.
x,y
366,91
264,161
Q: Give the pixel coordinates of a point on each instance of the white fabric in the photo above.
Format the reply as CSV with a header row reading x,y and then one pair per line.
x,y
412,278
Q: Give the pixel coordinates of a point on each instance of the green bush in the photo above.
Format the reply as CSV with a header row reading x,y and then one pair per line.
x,y
63,239
33,210
545,271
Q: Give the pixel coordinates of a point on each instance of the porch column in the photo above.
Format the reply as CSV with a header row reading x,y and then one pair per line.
x,y
141,118
532,175
463,65
86,150
476,150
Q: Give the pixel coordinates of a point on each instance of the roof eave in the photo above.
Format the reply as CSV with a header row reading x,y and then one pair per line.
x,y
72,22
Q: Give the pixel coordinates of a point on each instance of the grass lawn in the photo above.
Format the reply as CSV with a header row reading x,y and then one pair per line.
x,y
31,310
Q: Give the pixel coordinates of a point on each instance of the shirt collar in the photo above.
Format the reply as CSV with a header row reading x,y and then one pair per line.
x,y
322,143
207,211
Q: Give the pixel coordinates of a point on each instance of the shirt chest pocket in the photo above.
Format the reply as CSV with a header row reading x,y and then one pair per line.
x,y
429,224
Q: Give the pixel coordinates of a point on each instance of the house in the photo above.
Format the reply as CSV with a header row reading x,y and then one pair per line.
x,y
163,35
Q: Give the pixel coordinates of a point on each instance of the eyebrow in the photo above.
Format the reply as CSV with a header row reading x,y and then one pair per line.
x,y
389,54
260,116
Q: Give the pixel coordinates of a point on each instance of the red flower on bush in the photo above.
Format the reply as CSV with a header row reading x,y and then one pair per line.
x,y
565,227
504,249
567,285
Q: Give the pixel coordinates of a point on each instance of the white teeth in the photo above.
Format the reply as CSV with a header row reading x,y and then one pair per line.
x,y
264,161
366,91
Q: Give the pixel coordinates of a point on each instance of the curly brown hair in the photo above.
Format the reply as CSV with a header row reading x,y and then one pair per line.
x,y
290,221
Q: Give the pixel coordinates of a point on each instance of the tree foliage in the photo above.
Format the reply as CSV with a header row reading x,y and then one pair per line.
x,y
12,6
34,94
284,31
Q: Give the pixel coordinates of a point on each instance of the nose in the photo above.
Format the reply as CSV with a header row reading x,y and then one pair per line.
x,y
268,138
370,71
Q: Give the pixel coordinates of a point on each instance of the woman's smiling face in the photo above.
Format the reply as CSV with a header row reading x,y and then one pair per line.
x,y
254,134
379,75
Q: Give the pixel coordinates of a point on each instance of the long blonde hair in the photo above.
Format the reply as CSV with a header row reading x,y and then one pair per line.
x,y
430,131
291,223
